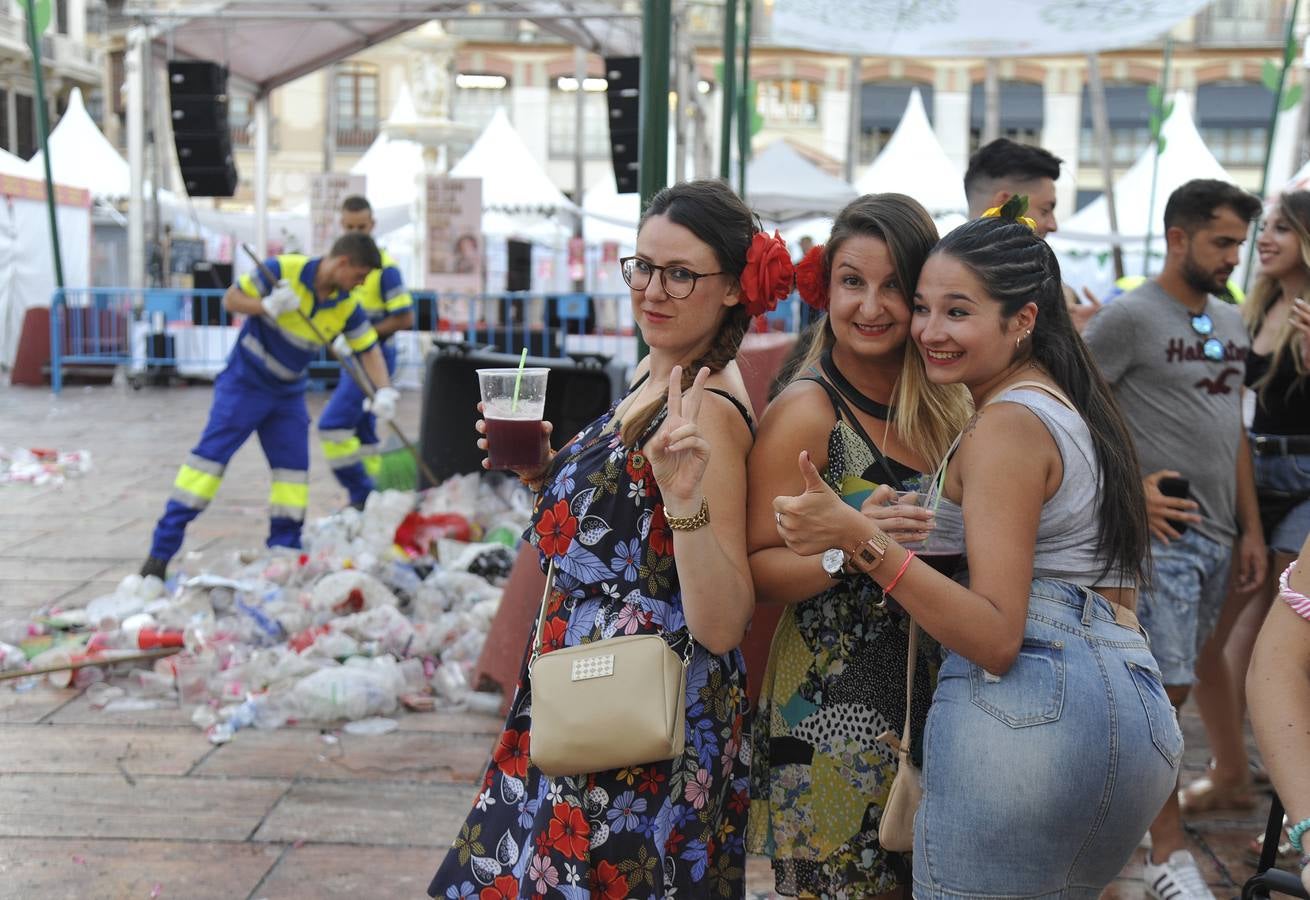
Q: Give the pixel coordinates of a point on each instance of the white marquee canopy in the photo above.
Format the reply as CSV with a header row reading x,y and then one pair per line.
x,y
974,28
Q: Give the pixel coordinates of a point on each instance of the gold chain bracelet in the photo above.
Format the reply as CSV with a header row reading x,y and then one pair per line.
x,y
690,523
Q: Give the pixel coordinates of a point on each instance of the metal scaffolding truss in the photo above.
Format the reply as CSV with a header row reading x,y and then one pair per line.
x,y
266,45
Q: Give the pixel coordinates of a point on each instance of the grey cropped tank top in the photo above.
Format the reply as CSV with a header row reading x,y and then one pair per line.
x,y
1067,530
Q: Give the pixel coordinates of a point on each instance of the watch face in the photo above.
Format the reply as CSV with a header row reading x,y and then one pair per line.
x,y
833,561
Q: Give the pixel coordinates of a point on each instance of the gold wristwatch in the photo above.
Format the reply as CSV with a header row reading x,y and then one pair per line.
x,y
868,555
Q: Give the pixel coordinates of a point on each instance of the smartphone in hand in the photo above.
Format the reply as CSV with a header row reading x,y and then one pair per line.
x,y
1176,486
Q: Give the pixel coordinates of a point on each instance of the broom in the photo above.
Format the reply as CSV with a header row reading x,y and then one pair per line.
x,y
396,469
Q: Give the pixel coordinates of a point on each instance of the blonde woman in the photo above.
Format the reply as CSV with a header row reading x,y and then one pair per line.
x,y
861,405
1278,318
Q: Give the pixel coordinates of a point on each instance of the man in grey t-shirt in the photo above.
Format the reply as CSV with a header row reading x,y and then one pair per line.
x,y
1175,358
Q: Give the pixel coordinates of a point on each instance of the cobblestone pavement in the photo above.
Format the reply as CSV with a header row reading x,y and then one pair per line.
x,y
138,804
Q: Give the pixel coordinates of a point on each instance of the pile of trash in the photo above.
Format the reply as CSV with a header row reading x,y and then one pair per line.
x,y
42,466
383,608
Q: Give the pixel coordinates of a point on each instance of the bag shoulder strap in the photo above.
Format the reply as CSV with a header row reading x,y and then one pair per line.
x,y
541,613
1053,391
911,659
844,414
541,622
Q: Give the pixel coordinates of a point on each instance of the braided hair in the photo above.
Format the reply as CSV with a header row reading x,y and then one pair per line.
x,y
1016,268
718,217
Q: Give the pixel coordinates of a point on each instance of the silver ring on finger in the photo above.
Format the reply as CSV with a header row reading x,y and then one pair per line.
x,y
777,517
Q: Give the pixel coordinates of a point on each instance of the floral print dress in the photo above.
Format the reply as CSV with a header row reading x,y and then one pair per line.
x,y
672,828
835,680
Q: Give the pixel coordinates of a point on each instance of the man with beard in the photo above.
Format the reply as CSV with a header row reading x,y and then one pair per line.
x,y
1175,356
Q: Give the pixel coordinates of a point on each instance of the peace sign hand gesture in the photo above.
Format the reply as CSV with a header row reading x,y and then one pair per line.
x,y
679,453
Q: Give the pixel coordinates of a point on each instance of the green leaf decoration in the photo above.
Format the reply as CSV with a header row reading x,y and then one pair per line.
x,y
1154,124
1291,98
1153,96
1269,75
1159,144
1167,111
42,13
1015,207
1290,52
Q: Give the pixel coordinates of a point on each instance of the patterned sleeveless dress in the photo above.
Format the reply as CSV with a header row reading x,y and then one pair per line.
x,y
836,680
670,828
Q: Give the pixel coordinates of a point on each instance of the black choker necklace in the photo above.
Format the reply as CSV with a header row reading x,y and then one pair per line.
x,y
846,389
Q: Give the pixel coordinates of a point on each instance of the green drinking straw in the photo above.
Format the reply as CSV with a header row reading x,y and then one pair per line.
x,y
518,380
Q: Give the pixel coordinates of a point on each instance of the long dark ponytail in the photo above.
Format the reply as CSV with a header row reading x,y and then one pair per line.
x,y
1016,268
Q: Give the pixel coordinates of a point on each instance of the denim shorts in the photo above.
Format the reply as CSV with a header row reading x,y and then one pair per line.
x,y
1040,782
1180,607
1282,483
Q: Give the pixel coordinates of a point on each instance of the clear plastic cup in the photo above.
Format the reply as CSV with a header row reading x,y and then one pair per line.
x,y
514,437
943,548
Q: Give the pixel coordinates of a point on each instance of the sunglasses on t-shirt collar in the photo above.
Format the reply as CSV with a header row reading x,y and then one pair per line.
x,y
1213,348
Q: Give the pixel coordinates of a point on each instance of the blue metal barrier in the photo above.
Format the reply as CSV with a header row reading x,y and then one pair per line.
x,y
187,332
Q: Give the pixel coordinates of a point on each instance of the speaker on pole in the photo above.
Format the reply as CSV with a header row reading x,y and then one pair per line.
x,y
198,100
623,74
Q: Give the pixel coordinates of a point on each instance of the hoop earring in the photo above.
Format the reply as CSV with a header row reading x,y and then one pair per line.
x,y
1018,342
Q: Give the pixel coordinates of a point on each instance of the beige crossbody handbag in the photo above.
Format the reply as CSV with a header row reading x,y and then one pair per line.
x,y
608,704
896,827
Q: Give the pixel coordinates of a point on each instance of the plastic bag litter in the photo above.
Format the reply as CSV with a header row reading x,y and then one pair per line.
x,y
343,593
360,688
340,630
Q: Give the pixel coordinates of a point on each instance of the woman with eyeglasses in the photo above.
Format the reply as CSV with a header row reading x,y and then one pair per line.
x,y
643,517
1050,743
861,405
1278,317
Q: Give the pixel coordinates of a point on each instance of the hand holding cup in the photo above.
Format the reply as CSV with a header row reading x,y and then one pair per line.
x,y
901,514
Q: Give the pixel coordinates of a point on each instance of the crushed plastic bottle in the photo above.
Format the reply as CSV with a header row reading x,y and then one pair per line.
x,y
353,691
371,727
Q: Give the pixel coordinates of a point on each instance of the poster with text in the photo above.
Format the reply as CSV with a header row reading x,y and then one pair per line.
x,y
453,255
325,197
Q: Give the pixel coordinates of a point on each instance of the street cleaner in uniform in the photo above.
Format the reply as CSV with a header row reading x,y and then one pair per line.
x,y
346,429
262,388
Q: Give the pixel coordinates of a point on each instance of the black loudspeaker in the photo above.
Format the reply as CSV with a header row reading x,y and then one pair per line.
x,y
576,393
198,100
623,74
518,265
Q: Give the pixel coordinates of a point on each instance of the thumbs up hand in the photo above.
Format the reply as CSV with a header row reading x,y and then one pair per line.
x,y
817,519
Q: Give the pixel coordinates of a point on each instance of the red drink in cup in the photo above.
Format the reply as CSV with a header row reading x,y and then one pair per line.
x,y
513,401
514,443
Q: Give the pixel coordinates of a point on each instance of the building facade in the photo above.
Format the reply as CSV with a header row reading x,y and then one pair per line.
x,y
326,120
68,61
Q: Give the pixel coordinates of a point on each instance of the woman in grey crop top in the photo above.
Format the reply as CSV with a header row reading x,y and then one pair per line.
x,y
1051,744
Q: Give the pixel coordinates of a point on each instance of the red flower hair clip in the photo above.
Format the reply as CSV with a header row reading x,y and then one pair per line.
x,y
811,283
768,275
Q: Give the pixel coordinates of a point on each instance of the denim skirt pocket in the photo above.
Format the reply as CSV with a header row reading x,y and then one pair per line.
x,y
1165,733
1031,693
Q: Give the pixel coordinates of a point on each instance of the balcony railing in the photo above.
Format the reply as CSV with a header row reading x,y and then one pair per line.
x,y
356,137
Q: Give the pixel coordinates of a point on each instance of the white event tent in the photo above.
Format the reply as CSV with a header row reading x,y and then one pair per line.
x,y
1082,243
513,182
80,156
782,185
391,166
914,163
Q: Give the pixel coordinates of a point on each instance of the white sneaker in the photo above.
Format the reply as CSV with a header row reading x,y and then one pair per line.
x,y
1177,878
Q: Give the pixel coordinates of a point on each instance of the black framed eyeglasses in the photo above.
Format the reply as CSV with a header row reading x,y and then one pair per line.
x,y
1213,348
678,281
